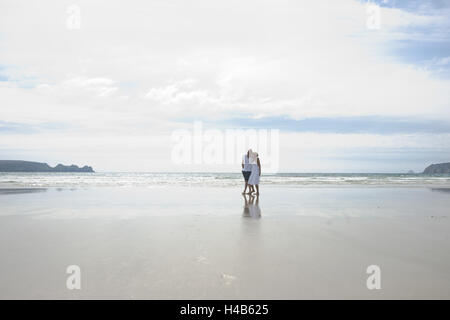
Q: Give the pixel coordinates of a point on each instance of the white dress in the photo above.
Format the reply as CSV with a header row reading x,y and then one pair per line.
x,y
255,211
254,176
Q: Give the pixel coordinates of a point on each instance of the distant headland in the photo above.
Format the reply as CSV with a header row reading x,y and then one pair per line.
x,y
30,166
437,168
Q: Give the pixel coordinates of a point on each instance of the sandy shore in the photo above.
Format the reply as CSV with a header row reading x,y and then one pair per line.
x,y
199,243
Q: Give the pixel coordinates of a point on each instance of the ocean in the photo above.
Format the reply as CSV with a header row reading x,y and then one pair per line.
x,y
143,179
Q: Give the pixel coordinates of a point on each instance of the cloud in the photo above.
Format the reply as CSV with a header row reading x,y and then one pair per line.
x,y
300,60
99,87
372,125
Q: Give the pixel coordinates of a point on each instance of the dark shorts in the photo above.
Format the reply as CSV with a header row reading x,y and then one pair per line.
x,y
246,174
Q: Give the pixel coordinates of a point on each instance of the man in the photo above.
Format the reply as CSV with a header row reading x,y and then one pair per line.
x,y
246,170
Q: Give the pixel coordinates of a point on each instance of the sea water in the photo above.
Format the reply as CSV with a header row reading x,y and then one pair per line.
x,y
144,179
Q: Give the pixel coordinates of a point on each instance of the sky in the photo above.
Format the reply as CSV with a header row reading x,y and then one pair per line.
x,y
341,86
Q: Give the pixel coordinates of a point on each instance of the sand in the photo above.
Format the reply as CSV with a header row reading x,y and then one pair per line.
x,y
200,243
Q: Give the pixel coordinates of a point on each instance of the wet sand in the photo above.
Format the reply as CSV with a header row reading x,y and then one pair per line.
x,y
199,243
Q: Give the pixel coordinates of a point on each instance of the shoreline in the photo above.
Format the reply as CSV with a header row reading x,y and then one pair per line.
x,y
229,180
262,186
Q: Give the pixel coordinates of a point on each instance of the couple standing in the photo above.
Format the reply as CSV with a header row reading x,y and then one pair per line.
x,y
251,170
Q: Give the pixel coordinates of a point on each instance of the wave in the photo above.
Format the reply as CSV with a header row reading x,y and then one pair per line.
x,y
140,179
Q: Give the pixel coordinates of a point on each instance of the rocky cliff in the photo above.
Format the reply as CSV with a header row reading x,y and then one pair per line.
x,y
30,166
437,168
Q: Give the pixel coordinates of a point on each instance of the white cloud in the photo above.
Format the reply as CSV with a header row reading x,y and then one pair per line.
x,y
313,58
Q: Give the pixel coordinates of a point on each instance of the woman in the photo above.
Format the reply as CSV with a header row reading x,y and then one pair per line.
x,y
256,171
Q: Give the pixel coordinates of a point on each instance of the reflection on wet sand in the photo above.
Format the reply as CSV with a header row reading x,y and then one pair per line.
x,y
251,207
21,190
446,190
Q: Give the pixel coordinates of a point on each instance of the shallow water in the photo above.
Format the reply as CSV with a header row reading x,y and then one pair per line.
x,y
207,243
113,202
140,179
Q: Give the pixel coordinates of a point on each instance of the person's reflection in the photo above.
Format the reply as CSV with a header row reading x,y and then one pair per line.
x,y
251,207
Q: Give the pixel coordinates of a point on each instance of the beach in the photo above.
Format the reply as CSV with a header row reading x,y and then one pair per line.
x,y
185,242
